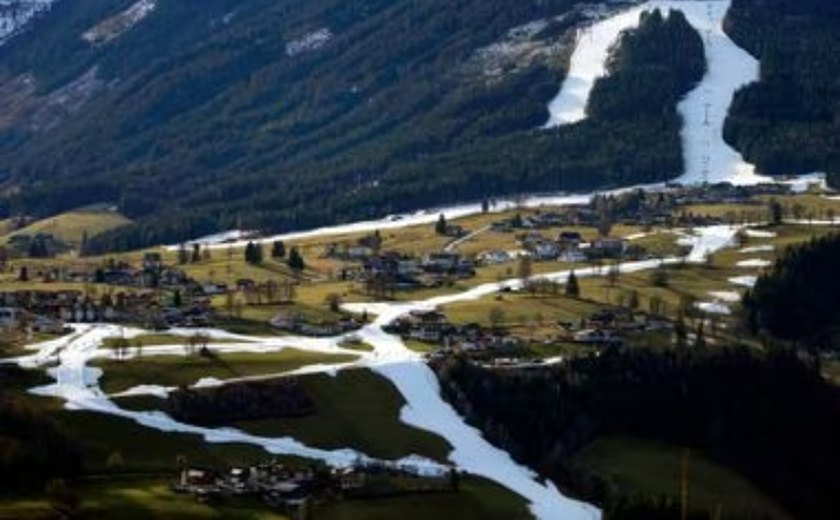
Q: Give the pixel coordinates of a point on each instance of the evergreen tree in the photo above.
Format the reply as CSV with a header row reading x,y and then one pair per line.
x,y
441,226
278,249
295,260
572,287
196,253
183,255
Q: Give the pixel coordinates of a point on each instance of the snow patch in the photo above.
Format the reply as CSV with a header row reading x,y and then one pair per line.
x,y
754,262
707,156
766,248
16,15
726,296
309,42
759,233
117,25
744,281
714,308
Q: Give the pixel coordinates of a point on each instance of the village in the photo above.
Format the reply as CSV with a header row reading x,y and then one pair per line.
x,y
304,293
294,488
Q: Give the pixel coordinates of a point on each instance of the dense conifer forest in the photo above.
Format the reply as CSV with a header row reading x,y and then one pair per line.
x,y
214,126
33,448
797,300
789,122
772,418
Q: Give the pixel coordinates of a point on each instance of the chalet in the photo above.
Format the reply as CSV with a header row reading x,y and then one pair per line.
x,y
10,317
441,262
152,262
572,255
214,289
572,238
494,257
607,248
597,337
546,251
359,252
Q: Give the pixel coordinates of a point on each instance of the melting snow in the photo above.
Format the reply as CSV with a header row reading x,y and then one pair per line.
x,y
117,25
309,42
713,308
744,281
15,15
707,156
726,296
754,262
766,248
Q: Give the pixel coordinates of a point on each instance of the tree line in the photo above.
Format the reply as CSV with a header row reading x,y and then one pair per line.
x,y
770,417
797,299
383,119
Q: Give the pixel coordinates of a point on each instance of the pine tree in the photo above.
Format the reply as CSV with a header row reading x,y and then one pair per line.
x,y
440,227
196,253
278,249
296,261
572,287
183,255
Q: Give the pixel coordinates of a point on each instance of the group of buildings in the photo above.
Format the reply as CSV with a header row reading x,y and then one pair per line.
x,y
291,489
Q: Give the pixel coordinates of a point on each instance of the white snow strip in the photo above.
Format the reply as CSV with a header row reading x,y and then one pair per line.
x,y
744,281
759,233
714,308
726,296
707,156
766,248
754,262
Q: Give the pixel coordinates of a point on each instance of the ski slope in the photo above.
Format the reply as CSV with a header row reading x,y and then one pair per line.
x,y
707,157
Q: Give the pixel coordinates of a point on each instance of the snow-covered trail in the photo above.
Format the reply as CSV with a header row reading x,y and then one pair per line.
x,y
425,409
704,109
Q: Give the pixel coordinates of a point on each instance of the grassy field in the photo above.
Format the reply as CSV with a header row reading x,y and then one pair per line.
x,y
533,317
142,498
151,340
356,409
70,227
187,370
651,468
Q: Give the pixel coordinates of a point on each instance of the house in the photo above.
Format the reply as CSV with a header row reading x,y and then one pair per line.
x,y
608,247
597,337
441,262
213,289
546,251
572,255
9,317
152,261
573,238
494,257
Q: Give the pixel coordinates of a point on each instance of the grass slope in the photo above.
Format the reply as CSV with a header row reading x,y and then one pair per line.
x,y
359,409
177,370
652,468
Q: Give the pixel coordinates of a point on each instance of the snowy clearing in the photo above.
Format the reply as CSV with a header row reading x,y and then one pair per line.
x,y
744,281
766,248
754,262
713,308
726,296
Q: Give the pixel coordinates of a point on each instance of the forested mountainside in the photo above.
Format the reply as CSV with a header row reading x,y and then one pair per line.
x,y
279,114
787,302
770,417
789,122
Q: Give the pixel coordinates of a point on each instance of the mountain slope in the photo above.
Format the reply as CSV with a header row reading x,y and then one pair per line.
x,y
277,114
789,121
